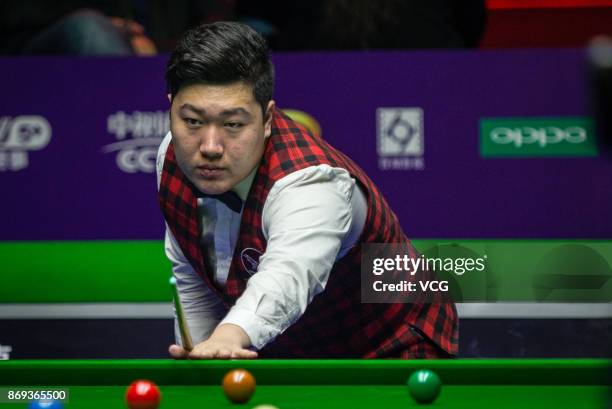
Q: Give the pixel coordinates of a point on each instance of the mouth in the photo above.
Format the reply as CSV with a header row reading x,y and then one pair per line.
x,y
210,171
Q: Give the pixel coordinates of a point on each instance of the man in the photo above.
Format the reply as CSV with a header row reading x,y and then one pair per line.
x,y
265,221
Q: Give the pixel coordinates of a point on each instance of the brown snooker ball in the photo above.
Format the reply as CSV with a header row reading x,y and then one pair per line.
x,y
239,385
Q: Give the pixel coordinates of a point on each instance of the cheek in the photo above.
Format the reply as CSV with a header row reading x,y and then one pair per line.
x,y
256,145
246,151
183,143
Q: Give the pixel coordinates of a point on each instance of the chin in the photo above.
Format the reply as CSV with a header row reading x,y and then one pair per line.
x,y
213,189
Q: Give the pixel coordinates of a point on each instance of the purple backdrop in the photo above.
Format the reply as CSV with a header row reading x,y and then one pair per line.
x,y
74,189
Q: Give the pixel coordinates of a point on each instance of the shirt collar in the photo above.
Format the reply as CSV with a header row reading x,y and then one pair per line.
x,y
242,188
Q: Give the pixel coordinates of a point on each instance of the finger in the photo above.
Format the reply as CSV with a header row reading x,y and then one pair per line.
x,y
224,354
178,352
201,353
244,354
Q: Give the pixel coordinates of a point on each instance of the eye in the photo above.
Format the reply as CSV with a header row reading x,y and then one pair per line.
x,y
191,122
233,125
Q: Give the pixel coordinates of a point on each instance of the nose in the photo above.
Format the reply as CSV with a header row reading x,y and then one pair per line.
x,y
211,143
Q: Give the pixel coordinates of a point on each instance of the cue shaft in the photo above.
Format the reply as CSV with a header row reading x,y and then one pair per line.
x,y
180,316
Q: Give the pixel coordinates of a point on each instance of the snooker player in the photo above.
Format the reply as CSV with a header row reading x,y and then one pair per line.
x,y
265,221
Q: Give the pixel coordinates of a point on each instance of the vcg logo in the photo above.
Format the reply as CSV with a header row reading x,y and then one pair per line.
x,y
138,136
19,135
400,139
537,137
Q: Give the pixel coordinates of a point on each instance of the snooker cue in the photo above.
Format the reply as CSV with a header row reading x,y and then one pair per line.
x,y
182,323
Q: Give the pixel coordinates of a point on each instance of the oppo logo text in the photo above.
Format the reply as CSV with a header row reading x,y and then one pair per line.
x,y
541,136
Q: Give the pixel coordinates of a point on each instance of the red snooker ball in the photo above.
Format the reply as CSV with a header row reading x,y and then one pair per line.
x,y
239,385
142,394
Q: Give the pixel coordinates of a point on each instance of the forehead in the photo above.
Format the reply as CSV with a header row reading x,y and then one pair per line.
x,y
214,97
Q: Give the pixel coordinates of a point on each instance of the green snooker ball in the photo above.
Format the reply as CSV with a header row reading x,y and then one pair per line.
x,y
424,386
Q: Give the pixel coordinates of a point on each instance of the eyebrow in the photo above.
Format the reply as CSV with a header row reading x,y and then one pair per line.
x,y
224,113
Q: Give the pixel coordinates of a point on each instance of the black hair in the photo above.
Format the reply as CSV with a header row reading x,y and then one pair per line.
x,y
222,53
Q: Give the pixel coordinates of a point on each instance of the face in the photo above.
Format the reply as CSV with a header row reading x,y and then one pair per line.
x,y
219,134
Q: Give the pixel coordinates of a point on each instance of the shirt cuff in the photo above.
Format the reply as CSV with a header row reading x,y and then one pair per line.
x,y
259,331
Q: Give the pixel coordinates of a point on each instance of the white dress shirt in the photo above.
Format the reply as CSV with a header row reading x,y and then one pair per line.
x,y
311,218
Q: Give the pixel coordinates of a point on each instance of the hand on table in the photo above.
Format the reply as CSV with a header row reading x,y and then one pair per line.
x,y
228,341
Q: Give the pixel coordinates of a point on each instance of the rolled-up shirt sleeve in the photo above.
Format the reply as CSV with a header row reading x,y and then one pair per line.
x,y
306,219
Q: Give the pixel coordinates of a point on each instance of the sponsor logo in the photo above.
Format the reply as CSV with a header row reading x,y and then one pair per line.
x,y
250,259
19,135
400,138
138,136
524,137
5,352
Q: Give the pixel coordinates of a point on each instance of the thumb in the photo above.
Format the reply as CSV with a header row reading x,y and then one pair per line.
x,y
178,352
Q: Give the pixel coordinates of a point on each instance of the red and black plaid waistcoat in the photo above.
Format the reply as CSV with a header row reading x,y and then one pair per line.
x,y
336,323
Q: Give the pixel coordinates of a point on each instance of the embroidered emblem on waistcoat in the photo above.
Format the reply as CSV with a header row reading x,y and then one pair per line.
x,y
250,259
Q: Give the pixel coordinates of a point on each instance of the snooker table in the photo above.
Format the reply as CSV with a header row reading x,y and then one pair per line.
x,y
467,383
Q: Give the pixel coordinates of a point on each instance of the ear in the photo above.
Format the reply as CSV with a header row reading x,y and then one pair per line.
x,y
268,118
170,98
